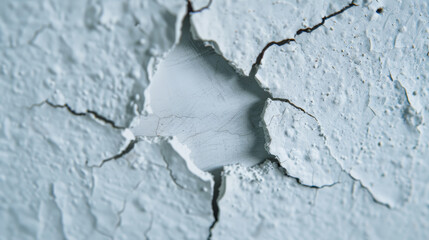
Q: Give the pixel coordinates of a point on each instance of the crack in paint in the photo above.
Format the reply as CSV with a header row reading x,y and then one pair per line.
x,y
170,171
124,152
295,106
254,69
217,177
373,198
215,206
310,29
191,9
275,160
88,112
299,32
279,43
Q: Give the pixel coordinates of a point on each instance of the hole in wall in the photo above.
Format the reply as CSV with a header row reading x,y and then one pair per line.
x,y
198,97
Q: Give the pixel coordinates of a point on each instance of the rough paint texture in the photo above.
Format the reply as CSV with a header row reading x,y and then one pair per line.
x,y
66,51
300,147
262,203
92,91
349,101
357,84
240,29
72,78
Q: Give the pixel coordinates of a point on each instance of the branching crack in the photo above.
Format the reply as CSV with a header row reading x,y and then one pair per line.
x,y
88,112
192,10
299,32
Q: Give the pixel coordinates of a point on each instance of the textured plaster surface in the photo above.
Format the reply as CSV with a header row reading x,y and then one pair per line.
x,y
110,114
66,51
262,203
300,147
240,29
73,75
358,85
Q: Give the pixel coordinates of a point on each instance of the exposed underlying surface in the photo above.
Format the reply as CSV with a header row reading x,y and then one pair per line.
x,y
92,92
196,96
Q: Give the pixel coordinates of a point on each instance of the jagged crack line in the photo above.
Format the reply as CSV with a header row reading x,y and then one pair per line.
x,y
279,43
211,229
276,161
300,31
310,29
374,199
128,149
191,9
295,106
88,112
215,206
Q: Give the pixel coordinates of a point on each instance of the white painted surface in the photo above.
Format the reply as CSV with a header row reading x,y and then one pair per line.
x,y
358,84
54,178
262,203
297,141
362,76
353,166
240,29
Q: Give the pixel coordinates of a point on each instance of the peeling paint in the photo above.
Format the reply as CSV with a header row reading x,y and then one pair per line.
x,y
111,113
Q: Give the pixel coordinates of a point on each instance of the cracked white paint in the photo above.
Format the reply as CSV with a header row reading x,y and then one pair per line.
x,y
50,190
361,74
353,90
295,138
88,106
199,5
261,203
66,51
197,97
147,189
91,61
240,29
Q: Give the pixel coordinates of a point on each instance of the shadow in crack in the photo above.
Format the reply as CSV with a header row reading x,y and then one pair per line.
x,y
199,98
